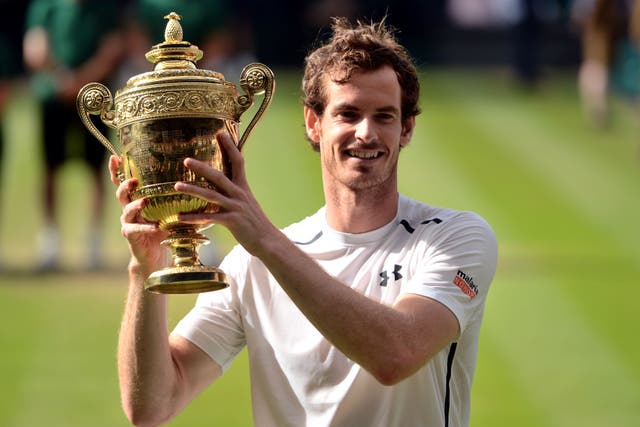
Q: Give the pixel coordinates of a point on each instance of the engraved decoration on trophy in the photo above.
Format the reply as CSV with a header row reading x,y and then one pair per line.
x,y
162,117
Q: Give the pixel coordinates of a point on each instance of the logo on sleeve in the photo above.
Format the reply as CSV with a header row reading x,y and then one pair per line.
x,y
465,283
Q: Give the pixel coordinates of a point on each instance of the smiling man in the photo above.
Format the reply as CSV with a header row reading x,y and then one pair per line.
x,y
366,313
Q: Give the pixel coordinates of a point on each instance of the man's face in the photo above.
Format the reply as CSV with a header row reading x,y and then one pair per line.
x,y
361,131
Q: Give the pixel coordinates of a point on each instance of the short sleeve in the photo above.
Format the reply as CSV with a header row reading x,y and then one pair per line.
x,y
214,324
457,266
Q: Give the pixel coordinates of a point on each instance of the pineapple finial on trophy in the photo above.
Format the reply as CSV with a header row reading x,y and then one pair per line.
x,y
173,30
174,52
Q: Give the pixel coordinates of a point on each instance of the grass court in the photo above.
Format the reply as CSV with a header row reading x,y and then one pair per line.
x,y
559,344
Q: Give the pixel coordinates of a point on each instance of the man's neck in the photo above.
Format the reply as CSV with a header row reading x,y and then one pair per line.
x,y
359,212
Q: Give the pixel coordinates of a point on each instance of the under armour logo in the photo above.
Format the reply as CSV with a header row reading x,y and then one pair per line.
x,y
411,229
396,275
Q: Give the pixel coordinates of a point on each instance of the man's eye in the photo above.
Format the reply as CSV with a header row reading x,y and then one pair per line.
x,y
347,115
385,117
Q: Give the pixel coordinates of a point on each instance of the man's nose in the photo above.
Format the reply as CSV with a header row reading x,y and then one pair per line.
x,y
365,130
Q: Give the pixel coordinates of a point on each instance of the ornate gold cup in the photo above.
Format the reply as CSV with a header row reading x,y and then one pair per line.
x,y
162,117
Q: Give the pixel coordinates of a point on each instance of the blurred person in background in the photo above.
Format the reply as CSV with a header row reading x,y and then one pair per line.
x,y
69,43
610,53
317,13
11,63
366,313
527,38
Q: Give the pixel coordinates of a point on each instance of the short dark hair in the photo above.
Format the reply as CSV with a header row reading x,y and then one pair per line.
x,y
359,47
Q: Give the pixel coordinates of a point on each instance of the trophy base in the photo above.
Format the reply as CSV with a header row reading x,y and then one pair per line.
x,y
186,280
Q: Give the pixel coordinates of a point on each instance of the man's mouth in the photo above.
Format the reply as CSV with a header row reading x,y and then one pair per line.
x,y
364,154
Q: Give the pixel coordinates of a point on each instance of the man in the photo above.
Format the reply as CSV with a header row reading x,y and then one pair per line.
x,y
610,40
365,314
68,44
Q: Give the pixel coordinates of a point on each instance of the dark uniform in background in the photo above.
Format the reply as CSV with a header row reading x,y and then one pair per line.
x,y
68,44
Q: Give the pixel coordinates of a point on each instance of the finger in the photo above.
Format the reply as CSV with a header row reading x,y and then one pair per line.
x,y
114,165
131,213
208,194
220,217
133,230
200,219
233,154
216,177
124,190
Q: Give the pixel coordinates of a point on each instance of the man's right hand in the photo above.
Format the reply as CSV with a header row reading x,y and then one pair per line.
x,y
144,237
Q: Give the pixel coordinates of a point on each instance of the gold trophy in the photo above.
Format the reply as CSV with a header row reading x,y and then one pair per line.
x,y
162,117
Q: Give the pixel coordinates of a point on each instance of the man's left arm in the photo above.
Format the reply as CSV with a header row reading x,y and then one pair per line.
x,y
390,342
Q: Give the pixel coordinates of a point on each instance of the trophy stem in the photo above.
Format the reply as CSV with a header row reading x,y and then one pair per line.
x,y
186,274
184,248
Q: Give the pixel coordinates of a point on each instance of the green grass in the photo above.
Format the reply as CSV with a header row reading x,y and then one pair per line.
x,y
558,345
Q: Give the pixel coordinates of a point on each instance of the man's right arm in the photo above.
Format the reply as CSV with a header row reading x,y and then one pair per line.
x,y
159,374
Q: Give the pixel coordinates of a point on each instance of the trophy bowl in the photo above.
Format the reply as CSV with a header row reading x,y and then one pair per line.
x,y
162,117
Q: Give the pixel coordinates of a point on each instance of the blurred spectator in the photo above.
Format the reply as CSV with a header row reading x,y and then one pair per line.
x,y
69,43
318,13
610,35
625,78
11,63
527,39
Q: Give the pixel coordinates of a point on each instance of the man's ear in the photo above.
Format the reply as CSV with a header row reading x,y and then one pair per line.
x,y
407,130
312,124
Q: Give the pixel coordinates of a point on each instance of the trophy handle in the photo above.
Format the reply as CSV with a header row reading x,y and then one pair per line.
x,y
95,98
255,79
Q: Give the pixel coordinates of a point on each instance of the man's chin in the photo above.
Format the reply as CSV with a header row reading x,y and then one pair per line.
x,y
366,182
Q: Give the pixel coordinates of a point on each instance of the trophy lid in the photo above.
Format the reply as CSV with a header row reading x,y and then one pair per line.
x,y
174,57
176,88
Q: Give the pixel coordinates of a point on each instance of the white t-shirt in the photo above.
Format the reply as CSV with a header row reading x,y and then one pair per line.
x,y
300,379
